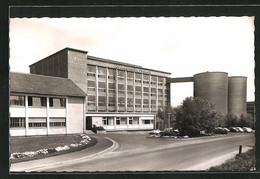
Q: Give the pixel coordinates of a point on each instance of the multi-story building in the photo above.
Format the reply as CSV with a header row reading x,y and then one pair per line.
x,y
45,105
75,91
120,96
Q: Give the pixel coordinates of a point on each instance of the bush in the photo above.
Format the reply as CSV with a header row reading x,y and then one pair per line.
x,y
195,115
51,150
219,131
162,117
168,133
231,120
246,120
97,128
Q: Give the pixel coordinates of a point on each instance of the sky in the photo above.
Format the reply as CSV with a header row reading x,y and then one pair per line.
x,y
182,46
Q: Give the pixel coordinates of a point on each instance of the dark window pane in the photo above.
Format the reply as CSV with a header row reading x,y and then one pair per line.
x,y
17,100
91,68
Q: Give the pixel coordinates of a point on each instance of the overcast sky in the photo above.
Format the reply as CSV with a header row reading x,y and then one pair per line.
x,y
182,46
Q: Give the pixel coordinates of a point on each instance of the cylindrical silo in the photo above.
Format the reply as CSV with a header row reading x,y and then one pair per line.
x,y
213,87
237,95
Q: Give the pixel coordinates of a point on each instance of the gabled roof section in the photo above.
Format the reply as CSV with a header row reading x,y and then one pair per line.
x,y
46,85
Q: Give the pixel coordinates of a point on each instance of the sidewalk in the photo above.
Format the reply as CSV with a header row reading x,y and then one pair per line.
x,y
103,145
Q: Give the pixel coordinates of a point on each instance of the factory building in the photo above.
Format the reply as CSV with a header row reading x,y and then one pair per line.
x,y
226,93
70,92
120,96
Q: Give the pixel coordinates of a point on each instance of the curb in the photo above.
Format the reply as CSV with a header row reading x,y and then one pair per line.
x,y
110,149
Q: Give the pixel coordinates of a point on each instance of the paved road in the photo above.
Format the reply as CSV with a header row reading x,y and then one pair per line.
x,y
193,154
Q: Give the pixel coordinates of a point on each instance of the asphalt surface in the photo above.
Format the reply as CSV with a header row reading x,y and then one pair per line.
x,y
172,154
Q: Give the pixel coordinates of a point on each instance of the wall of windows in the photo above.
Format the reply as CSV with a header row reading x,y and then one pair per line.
x,y
130,91
91,83
123,122
17,122
37,101
125,91
111,90
36,112
101,89
121,77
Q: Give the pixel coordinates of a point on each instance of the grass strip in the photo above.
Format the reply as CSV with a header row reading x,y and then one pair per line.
x,y
241,162
74,149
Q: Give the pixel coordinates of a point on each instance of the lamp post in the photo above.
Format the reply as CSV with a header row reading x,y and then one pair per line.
x,y
169,118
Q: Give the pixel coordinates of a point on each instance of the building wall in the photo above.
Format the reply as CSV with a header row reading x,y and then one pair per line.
x,y
110,86
117,90
237,95
77,68
56,120
213,87
123,121
75,115
250,106
73,64
54,65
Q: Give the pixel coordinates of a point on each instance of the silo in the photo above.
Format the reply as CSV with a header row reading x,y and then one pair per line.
x,y
213,87
237,94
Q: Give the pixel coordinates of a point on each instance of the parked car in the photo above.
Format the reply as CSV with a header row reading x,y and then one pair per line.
x,y
226,129
155,132
203,133
247,129
233,129
220,130
239,129
176,130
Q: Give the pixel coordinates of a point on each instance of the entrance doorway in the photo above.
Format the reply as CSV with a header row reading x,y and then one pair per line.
x,y
88,123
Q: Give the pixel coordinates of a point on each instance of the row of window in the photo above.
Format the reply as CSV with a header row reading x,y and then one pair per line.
x,y
121,101
92,83
19,122
19,100
91,70
124,121
102,85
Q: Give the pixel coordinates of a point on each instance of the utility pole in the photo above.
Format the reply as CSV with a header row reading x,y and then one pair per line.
x,y
169,119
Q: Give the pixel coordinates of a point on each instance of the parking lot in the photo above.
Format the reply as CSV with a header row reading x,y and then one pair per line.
x,y
132,141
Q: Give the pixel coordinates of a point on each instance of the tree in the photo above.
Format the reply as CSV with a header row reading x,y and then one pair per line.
x,y
246,120
231,120
195,115
162,117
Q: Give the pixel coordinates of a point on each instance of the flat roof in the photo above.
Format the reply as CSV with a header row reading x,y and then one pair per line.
x,y
45,85
114,62
101,60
